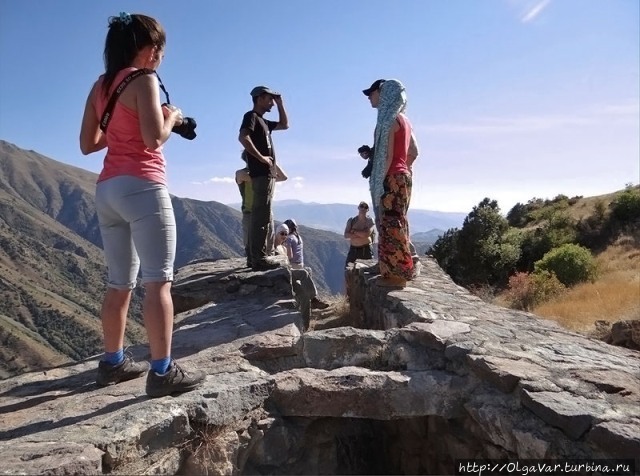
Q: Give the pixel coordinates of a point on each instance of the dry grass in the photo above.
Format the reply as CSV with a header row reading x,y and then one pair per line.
x,y
614,296
335,315
585,207
340,305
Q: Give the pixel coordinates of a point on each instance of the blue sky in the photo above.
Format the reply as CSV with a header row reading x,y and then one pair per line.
x,y
510,99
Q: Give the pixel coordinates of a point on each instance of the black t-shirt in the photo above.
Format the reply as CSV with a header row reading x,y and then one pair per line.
x,y
260,134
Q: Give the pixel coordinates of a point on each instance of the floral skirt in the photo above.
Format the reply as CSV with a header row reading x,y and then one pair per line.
x,y
394,252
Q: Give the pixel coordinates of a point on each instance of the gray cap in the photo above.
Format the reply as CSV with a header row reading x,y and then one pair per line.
x,y
260,90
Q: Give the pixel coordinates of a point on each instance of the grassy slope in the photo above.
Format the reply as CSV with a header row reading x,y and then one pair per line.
x,y
614,296
23,349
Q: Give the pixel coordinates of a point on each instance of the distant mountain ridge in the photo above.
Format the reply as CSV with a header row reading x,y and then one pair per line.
x,y
334,216
52,272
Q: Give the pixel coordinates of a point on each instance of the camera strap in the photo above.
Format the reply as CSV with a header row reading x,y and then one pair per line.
x,y
108,112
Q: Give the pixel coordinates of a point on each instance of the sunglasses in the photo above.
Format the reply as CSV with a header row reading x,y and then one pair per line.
x,y
363,207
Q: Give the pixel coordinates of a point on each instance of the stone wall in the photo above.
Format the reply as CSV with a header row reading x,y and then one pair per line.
x,y
421,377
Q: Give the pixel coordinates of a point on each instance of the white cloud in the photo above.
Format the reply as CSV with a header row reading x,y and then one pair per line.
x,y
535,10
216,180
298,182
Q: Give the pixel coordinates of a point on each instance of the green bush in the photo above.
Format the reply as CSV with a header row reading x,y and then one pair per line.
x,y
572,264
626,206
546,285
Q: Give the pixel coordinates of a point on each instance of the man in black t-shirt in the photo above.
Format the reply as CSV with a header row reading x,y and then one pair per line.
x,y
255,137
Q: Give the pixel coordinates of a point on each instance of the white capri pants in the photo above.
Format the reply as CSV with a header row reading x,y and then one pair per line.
x,y
138,230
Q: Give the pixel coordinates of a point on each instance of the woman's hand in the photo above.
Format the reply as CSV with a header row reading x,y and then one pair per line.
x,y
169,110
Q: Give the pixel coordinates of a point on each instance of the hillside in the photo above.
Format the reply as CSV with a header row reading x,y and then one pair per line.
x,y
52,273
614,295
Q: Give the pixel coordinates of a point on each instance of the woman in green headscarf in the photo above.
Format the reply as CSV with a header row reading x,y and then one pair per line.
x,y
390,184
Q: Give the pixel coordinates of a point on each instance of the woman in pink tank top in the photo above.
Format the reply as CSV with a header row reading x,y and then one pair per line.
x,y
133,205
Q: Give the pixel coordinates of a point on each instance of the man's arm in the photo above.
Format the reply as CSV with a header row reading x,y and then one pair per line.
x,y
248,125
347,229
247,143
283,120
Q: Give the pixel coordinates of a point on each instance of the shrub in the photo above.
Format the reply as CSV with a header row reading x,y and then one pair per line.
x,y
529,290
599,211
520,292
626,206
560,228
546,285
572,264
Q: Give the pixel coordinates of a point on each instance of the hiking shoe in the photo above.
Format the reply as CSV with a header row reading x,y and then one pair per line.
x,y
175,380
128,369
318,304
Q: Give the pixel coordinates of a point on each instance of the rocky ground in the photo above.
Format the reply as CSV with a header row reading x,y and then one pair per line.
x,y
405,382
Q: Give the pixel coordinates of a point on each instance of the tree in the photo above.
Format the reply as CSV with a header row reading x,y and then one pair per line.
x,y
518,216
445,251
484,256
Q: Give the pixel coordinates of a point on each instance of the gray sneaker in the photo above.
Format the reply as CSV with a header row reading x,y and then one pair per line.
x,y
175,380
128,369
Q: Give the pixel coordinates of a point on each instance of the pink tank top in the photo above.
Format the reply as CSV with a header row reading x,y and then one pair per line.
x,y
126,152
401,141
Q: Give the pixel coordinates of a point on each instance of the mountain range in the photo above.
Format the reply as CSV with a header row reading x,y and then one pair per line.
x,y
52,272
333,217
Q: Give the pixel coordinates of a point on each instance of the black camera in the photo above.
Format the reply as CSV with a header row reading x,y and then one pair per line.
x,y
187,129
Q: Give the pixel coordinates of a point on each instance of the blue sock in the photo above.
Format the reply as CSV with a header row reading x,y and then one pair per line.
x,y
160,366
113,358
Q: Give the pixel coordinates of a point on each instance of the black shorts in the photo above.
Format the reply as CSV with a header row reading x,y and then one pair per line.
x,y
358,252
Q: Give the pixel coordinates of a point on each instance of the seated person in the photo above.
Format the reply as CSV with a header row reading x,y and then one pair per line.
x,y
293,244
280,237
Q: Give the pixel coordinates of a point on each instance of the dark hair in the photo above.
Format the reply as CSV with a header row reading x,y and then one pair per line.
x,y
364,148
293,228
125,40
